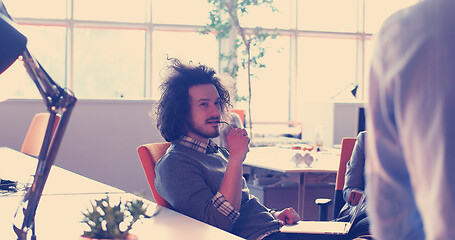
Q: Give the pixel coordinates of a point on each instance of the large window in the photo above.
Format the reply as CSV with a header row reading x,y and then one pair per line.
x,y
43,9
47,43
326,66
328,15
271,85
111,10
109,63
108,49
184,45
264,16
184,12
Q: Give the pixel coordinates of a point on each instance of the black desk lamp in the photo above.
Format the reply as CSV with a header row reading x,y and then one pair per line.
x,y
353,88
57,100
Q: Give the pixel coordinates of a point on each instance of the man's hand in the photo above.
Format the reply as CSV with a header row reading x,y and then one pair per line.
x,y
231,187
354,197
237,143
287,216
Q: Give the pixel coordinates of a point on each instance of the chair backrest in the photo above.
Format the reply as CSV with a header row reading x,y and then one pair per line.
x,y
35,135
347,145
150,154
241,114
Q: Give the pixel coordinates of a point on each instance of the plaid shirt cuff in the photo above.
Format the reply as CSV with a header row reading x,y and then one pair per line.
x,y
225,207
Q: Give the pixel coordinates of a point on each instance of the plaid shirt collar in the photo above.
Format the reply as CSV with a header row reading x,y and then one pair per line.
x,y
197,145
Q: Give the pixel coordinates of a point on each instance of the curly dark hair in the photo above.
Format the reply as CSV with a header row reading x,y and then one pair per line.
x,y
173,108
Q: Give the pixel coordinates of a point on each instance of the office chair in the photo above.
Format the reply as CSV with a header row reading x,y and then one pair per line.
x,y
150,154
241,114
347,145
35,134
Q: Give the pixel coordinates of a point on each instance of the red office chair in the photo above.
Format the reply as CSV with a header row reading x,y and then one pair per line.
x,y
150,154
347,145
35,134
241,114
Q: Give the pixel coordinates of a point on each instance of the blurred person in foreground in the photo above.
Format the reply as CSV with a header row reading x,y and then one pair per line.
x,y
411,133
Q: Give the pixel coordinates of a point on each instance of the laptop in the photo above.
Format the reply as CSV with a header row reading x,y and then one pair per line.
x,y
324,227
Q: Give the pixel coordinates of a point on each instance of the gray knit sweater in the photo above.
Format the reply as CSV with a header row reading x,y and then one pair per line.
x,y
189,180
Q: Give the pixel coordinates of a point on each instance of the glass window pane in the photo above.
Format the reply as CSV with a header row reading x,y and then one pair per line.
x,y
377,11
109,63
111,10
187,46
15,83
269,85
49,9
327,15
327,67
194,12
263,16
369,44
47,44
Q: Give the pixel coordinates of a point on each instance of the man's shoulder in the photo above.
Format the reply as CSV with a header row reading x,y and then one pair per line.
x,y
174,151
177,154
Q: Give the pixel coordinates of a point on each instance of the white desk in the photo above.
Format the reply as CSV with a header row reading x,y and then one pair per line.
x,y
59,216
17,166
279,159
67,194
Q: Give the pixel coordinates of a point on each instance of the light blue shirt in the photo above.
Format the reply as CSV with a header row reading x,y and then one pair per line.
x,y
410,168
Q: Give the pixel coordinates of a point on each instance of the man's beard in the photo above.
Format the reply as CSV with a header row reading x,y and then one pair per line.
x,y
200,131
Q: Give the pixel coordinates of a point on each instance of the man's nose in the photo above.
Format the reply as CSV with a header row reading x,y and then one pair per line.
x,y
214,109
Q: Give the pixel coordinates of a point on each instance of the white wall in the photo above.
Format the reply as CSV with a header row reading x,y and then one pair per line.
x,y
100,141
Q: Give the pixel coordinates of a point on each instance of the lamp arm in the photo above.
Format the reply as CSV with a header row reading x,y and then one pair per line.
x,y
45,86
55,97
57,100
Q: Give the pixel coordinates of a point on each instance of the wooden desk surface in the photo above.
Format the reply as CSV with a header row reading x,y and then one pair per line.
x,y
280,160
67,194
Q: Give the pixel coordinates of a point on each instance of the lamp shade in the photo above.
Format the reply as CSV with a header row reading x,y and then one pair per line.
x,y
354,90
12,43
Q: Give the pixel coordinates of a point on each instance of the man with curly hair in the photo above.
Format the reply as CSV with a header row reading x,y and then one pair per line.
x,y
197,177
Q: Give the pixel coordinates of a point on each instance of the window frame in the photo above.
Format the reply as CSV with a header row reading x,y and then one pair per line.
x,y
295,76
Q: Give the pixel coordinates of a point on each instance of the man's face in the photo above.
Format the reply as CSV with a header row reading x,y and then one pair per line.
x,y
205,112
